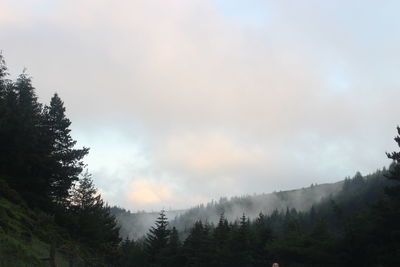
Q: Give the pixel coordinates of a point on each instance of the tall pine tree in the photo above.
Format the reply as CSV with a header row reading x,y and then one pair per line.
x,y
66,160
28,147
157,238
94,224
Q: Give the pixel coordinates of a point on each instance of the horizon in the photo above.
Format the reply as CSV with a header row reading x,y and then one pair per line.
x,y
183,102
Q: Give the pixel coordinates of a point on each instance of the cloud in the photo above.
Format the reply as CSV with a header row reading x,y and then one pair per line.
x,y
208,153
204,99
144,191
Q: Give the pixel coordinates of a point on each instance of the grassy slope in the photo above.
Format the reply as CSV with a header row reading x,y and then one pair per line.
x,y
26,236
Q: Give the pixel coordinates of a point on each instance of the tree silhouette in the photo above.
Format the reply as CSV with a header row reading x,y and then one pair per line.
x,y
157,238
66,161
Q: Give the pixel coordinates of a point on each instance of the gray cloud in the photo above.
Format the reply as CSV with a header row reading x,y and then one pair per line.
x,y
190,100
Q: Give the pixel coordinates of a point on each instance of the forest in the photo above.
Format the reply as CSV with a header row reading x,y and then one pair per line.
x,y
51,213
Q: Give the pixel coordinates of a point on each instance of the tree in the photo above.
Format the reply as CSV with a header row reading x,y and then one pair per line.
x,y
25,161
157,238
221,237
3,80
8,109
38,162
131,254
386,214
84,194
95,225
173,251
66,161
198,246
38,159
261,235
395,156
174,243
240,244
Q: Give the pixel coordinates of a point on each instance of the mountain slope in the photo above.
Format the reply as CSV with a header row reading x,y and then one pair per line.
x,y
29,238
136,225
352,194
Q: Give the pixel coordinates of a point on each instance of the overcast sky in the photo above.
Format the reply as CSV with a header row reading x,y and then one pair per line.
x,y
184,101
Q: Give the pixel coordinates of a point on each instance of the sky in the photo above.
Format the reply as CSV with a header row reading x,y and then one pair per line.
x,y
185,101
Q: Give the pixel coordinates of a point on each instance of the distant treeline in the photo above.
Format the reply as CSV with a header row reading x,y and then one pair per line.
x,y
359,226
40,164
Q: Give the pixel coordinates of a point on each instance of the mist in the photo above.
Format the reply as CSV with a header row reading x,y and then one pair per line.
x,y
136,225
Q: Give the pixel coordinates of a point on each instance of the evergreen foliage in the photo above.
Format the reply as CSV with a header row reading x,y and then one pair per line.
x,y
67,161
40,164
157,239
94,224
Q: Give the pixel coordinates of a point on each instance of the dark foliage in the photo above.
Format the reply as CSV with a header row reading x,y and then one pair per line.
x,y
157,240
40,164
67,161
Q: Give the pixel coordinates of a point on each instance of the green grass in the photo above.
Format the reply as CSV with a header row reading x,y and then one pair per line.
x,y
25,236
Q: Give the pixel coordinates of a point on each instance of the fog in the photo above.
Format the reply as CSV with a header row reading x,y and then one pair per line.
x,y
136,225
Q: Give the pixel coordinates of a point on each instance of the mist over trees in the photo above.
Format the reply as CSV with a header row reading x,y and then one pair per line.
x,y
358,226
136,225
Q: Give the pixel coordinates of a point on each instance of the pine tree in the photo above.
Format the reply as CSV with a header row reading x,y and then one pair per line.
x,y
395,156
240,244
221,237
3,80
5,117
26,145
198,247
157,238
95,225
262,233
67,161
193,244
386,214
173,251
174,243
221,232
84,195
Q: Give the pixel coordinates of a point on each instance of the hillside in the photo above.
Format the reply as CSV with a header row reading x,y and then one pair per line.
x,y
50,211
29,238
351,194
300,199
353,224
136,225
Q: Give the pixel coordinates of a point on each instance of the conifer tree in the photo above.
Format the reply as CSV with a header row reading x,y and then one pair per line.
x,y
221,237
198,246
193,244
240,244
27,163
173,252
395,156
221,232
157,238
84,194
4,119
94,223
3,81
262,234
387,213
173,242
66,160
